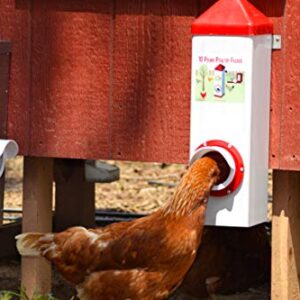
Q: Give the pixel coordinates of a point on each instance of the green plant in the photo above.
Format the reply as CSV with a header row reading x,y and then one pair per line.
x,y
9,295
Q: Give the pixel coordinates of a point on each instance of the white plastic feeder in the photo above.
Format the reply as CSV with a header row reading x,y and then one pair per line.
x,y
230,95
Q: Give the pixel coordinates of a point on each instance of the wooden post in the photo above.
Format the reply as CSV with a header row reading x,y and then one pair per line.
x,y
5,50
2,189
37,216
74,197
286,236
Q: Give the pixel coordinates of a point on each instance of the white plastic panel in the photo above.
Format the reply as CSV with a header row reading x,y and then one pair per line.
x,y
238,113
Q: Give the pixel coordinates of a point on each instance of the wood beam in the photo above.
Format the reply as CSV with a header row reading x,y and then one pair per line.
x,y
2,190
286,236
74,197
37,216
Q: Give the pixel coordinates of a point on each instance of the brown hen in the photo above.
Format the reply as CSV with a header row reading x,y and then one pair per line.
x,y
143,259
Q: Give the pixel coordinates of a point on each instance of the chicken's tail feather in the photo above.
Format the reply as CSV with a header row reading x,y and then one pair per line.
x,y
35,244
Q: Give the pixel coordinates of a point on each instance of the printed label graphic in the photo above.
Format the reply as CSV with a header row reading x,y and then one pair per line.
x,y
220,79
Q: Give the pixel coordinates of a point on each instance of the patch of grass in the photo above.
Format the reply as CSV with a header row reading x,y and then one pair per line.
x,y
9,295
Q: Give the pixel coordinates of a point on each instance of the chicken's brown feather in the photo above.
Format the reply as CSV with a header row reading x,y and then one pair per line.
x,y
160,247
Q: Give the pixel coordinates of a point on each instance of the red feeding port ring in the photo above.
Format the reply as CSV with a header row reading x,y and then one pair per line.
x,y
234,161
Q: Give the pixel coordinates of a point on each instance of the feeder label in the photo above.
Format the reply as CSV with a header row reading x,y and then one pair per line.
x,y
219,78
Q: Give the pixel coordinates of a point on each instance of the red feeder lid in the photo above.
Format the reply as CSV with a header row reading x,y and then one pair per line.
x,y
232,17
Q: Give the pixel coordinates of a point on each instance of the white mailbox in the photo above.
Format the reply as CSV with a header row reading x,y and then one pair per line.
x,y
230,102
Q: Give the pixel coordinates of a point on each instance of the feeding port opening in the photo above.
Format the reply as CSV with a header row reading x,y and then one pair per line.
x,y
230,164
225,163
222,164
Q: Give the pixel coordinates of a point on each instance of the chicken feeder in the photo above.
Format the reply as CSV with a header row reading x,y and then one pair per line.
x,y
230,103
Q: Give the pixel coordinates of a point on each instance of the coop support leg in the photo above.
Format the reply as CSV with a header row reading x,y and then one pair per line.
x,y
286,236
37,216
2,188
74,197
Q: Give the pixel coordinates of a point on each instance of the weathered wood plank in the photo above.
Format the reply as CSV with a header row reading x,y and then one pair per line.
x,y
151,80
37,216
102,79
286,236
5,54
2,187
15,28
74,197
290,124
70,78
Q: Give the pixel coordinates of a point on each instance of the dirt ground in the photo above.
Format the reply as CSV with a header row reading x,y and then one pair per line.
x,y
143,187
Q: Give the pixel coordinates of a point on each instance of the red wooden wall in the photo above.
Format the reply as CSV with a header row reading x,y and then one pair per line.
x,y
111,78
